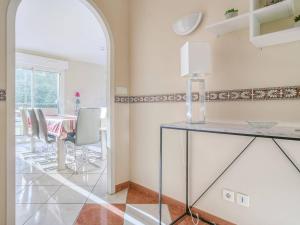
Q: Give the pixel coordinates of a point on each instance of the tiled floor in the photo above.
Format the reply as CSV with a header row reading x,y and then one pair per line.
x,y
45,196
136,209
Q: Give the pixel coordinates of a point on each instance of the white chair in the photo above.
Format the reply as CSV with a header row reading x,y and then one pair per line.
x,y
48,139
87,133
34,128
24,116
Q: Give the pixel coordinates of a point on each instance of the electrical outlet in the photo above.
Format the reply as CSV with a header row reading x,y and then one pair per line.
x,y
243,200
228,195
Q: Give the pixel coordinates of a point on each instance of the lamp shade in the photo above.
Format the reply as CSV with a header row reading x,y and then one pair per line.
x,y
195,59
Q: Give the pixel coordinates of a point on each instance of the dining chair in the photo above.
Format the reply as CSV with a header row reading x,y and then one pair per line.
x,y
87,133
24,116
44,135
34,124
34,128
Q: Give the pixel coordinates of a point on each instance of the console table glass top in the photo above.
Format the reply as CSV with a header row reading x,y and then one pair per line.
x,y
277,132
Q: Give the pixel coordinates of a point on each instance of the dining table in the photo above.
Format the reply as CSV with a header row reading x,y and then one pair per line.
x,y
59,126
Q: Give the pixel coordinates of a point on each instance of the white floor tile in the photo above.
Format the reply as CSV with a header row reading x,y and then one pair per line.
x,y
47,196
56,214
67,195
99,196
103,178
56,171
21,165
23,147
32,169
91,168
53,179
84,179
100,189
26,179
25,211
146,214
35,194
20,188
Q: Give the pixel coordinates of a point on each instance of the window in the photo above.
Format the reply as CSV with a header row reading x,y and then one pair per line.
x,y
40,82
37,89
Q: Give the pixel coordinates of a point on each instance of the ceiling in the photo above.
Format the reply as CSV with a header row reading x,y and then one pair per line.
x,y
61,28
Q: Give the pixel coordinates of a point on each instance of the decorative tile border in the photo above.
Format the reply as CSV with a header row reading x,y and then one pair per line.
x,y
2,95
255,94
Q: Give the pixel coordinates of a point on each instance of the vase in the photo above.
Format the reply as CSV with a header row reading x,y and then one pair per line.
x,y
297,24
77,105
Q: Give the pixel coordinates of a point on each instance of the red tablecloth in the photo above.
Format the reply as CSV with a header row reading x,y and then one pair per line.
x,y
60,126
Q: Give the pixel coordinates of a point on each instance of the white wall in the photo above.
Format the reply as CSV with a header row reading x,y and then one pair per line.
x,y
90,80
263,173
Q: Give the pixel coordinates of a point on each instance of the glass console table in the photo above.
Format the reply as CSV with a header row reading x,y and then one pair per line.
x,y
275,133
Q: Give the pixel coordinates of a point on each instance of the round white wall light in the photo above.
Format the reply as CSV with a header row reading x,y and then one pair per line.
x,y
187,24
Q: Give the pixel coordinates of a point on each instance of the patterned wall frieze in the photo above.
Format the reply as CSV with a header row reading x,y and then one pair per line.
x,y
276,93
2,95
121,99
255,94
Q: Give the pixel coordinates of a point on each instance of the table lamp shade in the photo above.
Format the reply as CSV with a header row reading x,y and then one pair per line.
x,y
195,59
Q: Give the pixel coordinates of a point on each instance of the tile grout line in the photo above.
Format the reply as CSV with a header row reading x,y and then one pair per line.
x,y
46,203
42,204
74,223
45,174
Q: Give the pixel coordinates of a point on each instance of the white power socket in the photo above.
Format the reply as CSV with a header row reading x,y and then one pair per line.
x,y
243,200
228,195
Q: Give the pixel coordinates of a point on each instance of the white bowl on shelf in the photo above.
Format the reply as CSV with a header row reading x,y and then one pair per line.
x,y
262,124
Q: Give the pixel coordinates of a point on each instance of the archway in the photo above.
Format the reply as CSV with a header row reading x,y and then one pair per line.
x,y
10,128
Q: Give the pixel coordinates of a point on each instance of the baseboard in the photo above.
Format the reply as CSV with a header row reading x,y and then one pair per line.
x,y
170,201
122,186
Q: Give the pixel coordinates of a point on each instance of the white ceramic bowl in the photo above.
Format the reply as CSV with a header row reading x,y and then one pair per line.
x,y
261,124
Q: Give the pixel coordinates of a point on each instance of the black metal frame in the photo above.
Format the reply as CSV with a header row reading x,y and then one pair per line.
x,y
188,211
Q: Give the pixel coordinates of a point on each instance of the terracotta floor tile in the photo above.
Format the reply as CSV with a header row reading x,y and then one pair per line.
x,y
176,211
188,221
136,197
94,214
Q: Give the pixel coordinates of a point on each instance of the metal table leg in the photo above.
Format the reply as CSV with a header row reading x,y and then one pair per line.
x,y
286,155
160,176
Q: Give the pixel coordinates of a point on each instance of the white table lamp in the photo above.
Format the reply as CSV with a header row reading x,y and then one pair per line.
x,y
196,65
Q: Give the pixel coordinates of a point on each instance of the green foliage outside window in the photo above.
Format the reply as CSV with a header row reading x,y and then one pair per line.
x,y
37,89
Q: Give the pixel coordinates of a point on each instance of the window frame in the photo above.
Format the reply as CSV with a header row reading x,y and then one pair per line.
x,y
39,63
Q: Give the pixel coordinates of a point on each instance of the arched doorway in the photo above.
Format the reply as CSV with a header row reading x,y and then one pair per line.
x,y
11,61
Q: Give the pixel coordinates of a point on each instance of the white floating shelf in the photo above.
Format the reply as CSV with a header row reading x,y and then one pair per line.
x,y
229,25
258,16
280,37
274,12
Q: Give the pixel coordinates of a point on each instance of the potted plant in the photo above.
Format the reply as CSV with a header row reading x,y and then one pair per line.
x,y
297,21
231,13
272,2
